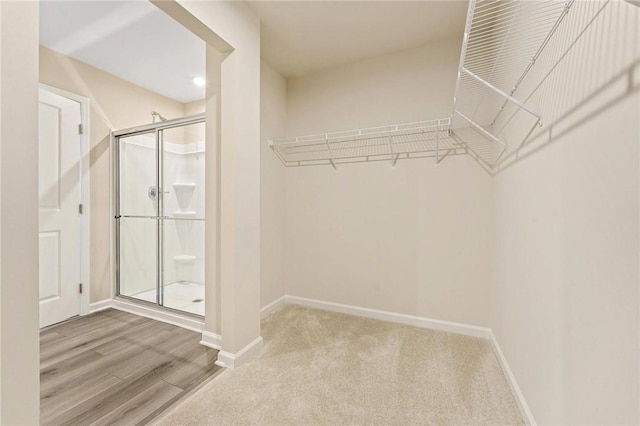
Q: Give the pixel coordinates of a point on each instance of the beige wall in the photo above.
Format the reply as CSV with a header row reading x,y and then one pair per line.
x,y
194,133
565,301
564,304
411,85
19,343
115,104
273,101
195,107
240,170
415,239
212,194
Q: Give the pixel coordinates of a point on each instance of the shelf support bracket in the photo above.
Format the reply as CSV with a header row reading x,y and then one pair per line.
x,y
481,130
438,143
277,152
333,164
394,158
501,93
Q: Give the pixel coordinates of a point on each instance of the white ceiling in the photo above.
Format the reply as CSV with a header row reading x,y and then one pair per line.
x,y
300,37
133,40
137,42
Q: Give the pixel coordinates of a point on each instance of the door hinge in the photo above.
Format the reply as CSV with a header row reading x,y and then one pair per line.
x,y
80,129
80,288
81,208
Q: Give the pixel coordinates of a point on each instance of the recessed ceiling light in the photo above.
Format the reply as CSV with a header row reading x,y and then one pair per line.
x,y
199,81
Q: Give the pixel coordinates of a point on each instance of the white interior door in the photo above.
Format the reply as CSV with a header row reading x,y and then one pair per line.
x,y
59,184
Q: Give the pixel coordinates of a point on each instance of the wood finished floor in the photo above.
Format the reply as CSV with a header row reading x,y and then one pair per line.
x,y
113,367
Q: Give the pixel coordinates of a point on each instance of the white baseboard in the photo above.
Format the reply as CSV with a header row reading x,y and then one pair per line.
x,y
211,340
234,360
273,306
422,322
149,312
100,305
525,412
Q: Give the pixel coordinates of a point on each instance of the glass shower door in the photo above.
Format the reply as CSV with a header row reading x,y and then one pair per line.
x,y
159,209
138,207
182,236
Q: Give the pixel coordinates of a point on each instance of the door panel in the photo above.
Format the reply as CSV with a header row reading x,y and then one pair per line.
x,y
138,258
139,200
138,175
182,236
160,217
59,197
49,152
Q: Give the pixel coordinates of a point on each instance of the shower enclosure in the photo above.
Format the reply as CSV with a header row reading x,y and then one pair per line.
x,y
159,214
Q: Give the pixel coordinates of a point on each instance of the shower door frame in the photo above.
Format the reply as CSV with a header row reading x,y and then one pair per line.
x,y
116,135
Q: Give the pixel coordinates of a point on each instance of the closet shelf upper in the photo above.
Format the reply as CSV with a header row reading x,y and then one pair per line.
x,y
391,143
500,65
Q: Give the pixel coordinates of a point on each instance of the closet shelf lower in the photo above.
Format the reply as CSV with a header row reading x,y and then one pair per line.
x,y
392,143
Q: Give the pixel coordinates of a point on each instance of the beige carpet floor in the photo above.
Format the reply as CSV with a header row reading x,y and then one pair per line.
x,y
318,367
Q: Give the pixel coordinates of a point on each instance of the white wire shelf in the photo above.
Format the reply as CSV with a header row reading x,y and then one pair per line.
x,y
391,143
503,40
524,63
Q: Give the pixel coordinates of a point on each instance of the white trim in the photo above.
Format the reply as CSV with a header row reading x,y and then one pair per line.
x,y
273,306
525,412
211,340
85,194
230,360
112,211
100,305
149,312
86,202
422,322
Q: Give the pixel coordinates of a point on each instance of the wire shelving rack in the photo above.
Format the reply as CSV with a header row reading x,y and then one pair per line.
x,y
512,72
503,39
387,143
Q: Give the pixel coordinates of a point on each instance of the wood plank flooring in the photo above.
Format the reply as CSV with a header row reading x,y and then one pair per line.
x,y
113,367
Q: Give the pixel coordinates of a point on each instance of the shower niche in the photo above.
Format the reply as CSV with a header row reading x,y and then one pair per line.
x,y
159,214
